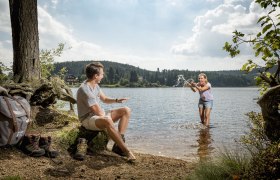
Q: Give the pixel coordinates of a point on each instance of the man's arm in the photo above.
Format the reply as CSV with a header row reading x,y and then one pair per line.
x,y
97,110
108,100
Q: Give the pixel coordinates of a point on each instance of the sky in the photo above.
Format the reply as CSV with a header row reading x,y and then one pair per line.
x,y
150,34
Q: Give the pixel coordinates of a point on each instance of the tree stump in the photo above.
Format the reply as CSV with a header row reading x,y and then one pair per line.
x,y
96,140
270,106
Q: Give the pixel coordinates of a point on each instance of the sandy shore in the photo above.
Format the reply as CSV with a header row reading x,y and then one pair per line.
x,y
104,165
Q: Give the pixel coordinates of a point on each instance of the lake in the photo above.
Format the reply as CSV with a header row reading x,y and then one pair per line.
x,y
165,121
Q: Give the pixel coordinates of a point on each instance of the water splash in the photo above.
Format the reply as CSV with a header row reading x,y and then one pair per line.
x,y
197,125
182,82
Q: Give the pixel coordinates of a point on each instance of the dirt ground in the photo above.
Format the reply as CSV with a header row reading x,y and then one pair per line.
x,y
103,165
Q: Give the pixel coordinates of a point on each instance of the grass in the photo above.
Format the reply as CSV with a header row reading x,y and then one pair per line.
x,y
67,136
228,165
11,178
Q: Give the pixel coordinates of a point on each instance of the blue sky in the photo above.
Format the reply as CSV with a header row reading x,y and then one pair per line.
x,y
150,34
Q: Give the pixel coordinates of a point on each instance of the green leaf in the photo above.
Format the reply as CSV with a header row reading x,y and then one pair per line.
x,y
244,67
258,80
259,34
266,28
263,23
258,50
261,19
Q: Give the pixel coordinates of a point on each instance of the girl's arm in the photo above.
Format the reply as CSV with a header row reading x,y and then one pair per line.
x,y
201,88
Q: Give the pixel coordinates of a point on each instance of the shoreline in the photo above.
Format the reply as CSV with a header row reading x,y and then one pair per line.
x,y
104,165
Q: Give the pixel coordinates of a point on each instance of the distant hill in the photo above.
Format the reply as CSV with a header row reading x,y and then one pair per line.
x,y
130,76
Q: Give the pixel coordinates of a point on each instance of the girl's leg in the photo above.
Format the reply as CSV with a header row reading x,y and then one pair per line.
x,y
207,116
201,114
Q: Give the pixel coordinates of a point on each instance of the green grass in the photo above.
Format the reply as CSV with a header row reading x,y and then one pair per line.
x,y
67,137
11,178
228,165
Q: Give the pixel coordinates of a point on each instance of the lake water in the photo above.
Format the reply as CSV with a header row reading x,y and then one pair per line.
x,y
165,121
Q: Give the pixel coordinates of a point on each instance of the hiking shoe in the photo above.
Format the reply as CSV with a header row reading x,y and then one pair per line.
x,y
116,149
81,149
130,156
30,146
45,143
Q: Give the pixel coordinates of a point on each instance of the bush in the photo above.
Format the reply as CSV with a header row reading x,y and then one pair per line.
x,y
262,161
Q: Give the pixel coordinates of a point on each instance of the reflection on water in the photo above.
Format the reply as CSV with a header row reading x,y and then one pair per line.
x,y
204,143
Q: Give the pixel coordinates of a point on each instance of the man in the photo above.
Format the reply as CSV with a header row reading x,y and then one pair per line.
x,y
93,117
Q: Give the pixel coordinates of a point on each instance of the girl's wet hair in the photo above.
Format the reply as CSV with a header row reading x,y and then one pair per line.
x,y
204,75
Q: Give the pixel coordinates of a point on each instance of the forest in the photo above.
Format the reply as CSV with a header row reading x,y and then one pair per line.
x,y
124,75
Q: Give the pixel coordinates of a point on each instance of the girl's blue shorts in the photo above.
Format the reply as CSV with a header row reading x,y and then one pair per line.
x,y
205,104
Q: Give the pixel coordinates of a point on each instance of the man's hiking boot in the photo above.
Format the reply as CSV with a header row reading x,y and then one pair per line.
x,y
30,146
116,149
45,143
81,149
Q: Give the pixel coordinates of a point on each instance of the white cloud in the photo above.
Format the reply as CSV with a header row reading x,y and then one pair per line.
x,y
53,32
140,32
5,25
215,27
233,1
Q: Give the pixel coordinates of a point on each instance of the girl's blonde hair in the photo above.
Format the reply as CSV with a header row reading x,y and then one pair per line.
x,y
204,75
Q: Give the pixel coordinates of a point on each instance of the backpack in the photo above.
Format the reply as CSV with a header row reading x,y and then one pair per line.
x,y
14,118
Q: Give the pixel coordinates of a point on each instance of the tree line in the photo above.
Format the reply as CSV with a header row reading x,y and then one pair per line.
x,y
124,75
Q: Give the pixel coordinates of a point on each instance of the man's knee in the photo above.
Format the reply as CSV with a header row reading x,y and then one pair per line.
x,y
127,110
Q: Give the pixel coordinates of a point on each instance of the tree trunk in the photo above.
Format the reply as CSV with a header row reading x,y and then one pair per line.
x,y
24,22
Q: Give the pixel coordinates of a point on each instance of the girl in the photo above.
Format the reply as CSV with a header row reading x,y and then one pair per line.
x,y
205,103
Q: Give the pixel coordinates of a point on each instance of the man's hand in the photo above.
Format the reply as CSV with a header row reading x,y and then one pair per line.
x,y
121,100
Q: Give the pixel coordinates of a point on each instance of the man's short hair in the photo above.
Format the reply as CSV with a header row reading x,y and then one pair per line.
x,y
93,68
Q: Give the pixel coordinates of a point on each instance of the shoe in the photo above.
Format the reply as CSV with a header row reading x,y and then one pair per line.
x,y
81,149
30,146
116,149
130,156
45,143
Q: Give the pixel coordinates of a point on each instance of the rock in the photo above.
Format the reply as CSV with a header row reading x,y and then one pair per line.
x,y
269,104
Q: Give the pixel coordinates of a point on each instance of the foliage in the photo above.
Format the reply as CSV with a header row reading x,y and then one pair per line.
x,y
265,162
229,165
255,140
67,137
130,76
62,72
3,70
99,142
47,59
262,162
266,45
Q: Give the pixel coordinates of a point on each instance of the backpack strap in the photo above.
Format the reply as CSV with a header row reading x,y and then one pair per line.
x,y
13,117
